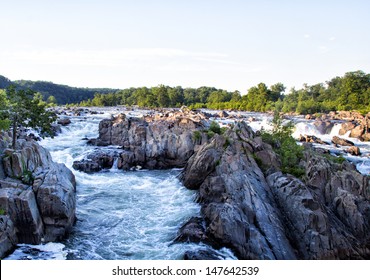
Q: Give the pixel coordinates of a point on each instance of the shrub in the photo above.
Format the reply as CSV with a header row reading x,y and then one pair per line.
x,y
281,140
197,135
215,127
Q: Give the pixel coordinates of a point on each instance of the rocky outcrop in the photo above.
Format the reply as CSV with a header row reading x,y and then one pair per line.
x,y
236,201
324,127
341,142
36,194
265,214
311,139
160,141
8,235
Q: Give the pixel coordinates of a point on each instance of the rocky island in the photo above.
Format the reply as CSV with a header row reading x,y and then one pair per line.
x,y
247,203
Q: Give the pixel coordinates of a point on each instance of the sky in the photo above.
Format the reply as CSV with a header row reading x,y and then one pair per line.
x,y
229,44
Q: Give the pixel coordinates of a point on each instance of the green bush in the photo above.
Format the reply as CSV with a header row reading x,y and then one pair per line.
x,y
197,135
281,140
215,127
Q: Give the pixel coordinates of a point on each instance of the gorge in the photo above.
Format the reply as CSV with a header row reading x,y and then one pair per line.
x,y
132,202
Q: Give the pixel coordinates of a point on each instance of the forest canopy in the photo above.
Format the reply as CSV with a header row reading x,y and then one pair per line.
x,y
349,92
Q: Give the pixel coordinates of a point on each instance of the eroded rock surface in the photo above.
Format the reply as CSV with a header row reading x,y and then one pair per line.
x,y
265,214
37,196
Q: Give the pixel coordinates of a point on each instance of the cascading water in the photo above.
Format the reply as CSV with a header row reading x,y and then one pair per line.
x,y
121,215
362,162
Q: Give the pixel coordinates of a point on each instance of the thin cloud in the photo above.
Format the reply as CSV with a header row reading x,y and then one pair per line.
x,y
107,57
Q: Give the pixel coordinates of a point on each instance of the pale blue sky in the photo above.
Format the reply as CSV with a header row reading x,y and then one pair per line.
x,y
230,44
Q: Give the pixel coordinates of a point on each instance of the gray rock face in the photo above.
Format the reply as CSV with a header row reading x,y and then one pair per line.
x,y
38,195
275,216
236,200
158,142
8,235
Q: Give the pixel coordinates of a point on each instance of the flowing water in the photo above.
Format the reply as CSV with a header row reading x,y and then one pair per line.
x,y
121,215
136,214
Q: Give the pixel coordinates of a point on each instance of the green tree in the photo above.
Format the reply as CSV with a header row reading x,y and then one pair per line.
x,y
23,109
4,121
52,101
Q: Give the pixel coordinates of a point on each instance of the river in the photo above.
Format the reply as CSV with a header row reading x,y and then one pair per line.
x,y
135,214
121,214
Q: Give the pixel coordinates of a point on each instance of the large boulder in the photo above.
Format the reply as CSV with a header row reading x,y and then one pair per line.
x,y
164,140
38,195
235,197
326,216
341,142
8,235
324,127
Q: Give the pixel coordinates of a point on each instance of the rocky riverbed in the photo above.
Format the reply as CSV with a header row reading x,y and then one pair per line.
x,y
254,209
246,203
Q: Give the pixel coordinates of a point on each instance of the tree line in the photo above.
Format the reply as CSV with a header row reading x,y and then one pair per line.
x,y
349,92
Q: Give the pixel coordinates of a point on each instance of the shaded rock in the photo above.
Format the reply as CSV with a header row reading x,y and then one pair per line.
x,y
64,121
324,127
87,166
223,114
192,231
281,217
345,127
163,140
8,236
357,132
231,189
202,255
342,142
354,151
56,198
37,194
311,139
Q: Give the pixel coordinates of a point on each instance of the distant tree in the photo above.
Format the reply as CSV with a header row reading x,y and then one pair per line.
x,y
25,109
4,121
161,95
52,101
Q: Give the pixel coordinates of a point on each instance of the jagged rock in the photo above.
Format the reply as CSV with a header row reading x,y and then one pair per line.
x,y
202,255
223,114
345,127
38,195
347,194
342,142
357,132
64,121
281,218
8,236
22,208
311,139
354,151
235,198
164,140
87,166
192,231
56,197
324,127
316,231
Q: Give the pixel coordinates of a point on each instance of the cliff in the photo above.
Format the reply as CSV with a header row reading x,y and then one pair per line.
x,y
273,215
37,196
